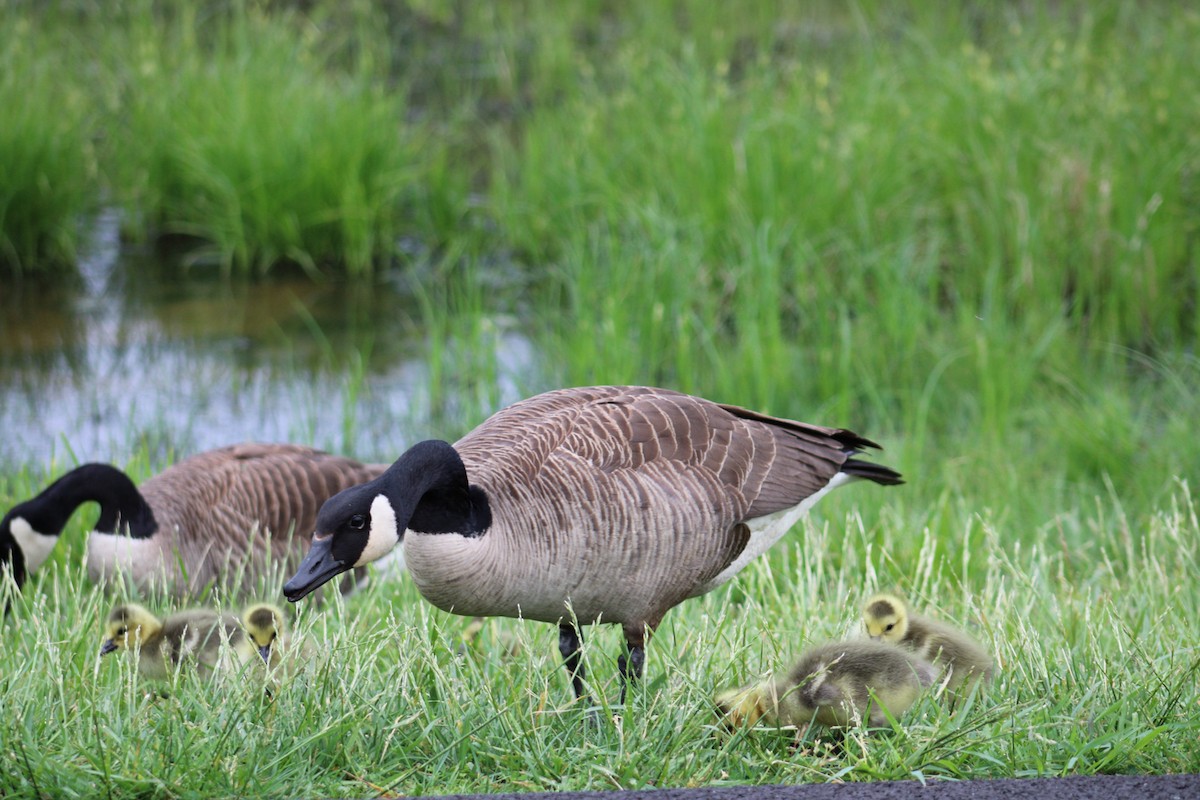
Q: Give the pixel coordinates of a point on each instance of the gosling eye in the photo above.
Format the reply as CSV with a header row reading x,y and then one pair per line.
x,y
122,631
889,627
358,522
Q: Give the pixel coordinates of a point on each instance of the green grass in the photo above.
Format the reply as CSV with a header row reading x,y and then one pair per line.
x,y
252,148
969,233
47,164
247,140
1097,654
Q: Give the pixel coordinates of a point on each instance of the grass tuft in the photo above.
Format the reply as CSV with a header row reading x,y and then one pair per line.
x,y
47,163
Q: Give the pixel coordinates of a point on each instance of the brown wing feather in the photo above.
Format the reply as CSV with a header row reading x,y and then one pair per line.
x,y
772,463
246,504
626,500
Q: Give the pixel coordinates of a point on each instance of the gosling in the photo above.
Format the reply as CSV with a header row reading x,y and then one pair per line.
x,y
836,685
188,638
961,659
266,626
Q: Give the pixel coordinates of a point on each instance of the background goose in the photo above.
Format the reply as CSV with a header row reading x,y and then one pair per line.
x,y
601,504
219,515
834,685
194,637
887,618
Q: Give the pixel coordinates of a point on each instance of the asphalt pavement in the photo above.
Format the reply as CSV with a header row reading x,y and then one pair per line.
x,y
1083,787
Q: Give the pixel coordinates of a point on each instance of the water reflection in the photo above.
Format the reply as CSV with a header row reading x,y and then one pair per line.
x,y
128,355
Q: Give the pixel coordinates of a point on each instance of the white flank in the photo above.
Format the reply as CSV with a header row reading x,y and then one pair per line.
x,y
383,535
766,531
34,546
110,554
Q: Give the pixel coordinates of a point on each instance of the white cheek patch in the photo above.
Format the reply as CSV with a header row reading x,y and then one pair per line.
x,y
34,546
383,536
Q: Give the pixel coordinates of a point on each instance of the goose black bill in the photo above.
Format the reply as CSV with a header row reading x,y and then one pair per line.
x,y
317,568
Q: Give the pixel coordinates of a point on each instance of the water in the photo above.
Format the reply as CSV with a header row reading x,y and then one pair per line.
x,y
129,356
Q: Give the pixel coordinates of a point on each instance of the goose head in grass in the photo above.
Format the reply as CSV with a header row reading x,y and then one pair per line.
x,y
30,529
223,516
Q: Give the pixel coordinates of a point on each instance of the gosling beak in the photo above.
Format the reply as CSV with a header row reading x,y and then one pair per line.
x,y
265,652
316,568
109,646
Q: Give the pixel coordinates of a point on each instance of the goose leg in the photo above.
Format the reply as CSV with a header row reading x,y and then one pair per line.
x,y
629,663
570,645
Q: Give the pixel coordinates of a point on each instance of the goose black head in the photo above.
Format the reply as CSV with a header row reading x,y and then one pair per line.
x,y
30,529
425,490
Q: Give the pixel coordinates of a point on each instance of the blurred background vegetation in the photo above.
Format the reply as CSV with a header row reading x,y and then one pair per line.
x,y
968,230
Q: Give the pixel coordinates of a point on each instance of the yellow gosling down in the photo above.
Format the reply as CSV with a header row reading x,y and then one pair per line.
x,y
836,685
266,626
186,639
888,619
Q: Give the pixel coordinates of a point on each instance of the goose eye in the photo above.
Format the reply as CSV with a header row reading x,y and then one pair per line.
x,y
122,631
890,626
358,522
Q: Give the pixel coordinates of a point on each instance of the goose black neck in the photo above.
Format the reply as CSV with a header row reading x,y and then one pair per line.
x,y
12,558
434,478
120,502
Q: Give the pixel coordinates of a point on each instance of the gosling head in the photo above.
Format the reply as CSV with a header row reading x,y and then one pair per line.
x,y
129,625
741,707
264,623
885,617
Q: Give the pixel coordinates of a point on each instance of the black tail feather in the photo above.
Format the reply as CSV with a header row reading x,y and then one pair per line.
x,y
872,472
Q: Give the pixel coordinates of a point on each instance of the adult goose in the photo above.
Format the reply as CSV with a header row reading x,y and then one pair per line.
x,y
601,504
224,515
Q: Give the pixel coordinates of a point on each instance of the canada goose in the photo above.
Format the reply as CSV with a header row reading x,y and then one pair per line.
x,y
266,625
162,645
836,685
602,504
216,516
887,618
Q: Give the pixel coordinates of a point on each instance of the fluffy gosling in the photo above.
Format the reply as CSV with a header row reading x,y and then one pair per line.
x,y
887,618
836,685
183,639
266,626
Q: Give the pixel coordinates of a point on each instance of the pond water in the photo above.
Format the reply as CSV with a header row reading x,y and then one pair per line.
x,y
131,355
